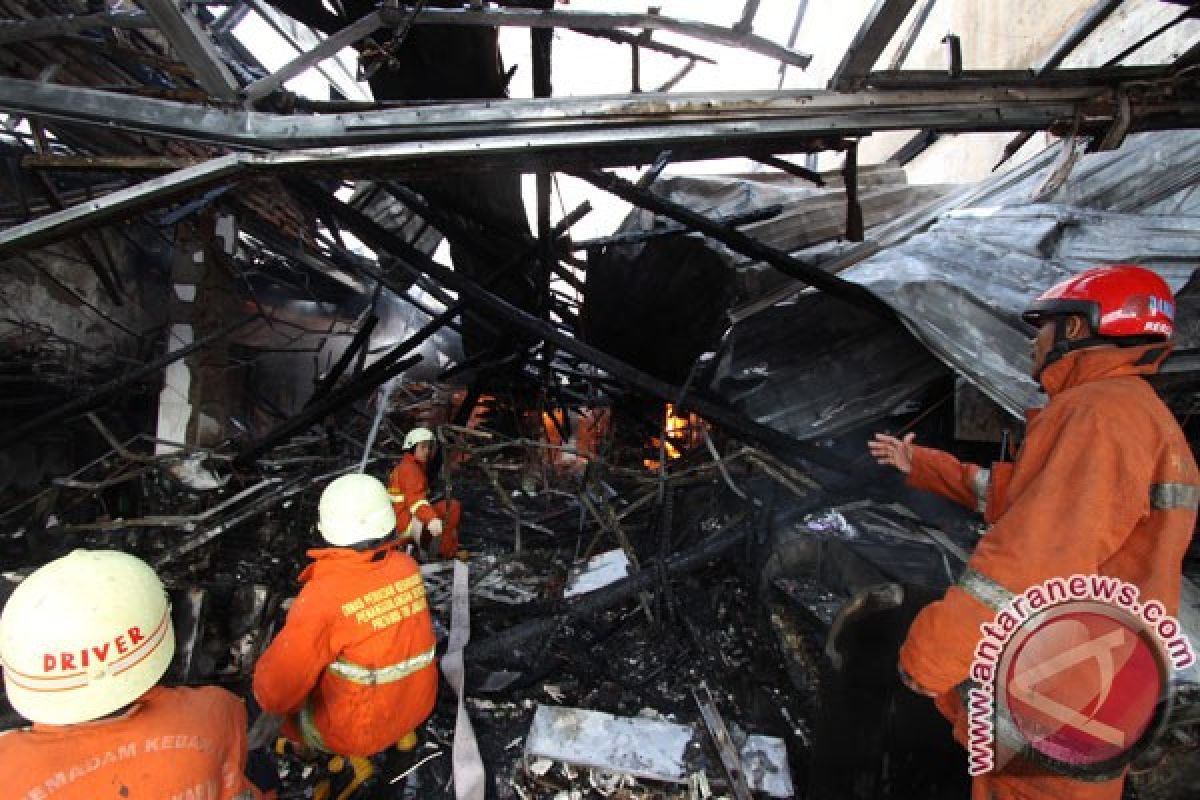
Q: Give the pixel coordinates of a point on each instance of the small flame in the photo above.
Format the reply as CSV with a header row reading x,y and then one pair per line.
x,y
680,432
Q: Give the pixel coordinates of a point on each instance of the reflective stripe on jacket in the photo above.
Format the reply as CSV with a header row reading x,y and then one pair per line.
x,y
1079,502
365,610
409,491
171,743
1105,483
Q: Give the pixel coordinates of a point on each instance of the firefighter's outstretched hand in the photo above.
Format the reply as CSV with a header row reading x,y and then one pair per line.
x,y
435,527
892,451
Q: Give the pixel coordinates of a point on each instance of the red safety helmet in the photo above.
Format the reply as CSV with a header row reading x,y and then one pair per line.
x,y
1118,301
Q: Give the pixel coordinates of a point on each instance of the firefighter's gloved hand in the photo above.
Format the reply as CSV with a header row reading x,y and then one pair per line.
x,y
435,527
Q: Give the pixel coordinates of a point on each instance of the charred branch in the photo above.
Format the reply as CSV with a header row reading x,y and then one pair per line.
x,y
730,536
371,378
644,42
102,394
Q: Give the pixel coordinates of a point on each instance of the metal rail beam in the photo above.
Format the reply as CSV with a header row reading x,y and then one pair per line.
x,y
614,138
1013,79
877,30
646,44
300,37
1093,19
961,107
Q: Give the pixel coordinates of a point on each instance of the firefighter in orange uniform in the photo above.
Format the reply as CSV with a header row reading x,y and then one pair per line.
x,y
1105,483
84,641
353,670
416,517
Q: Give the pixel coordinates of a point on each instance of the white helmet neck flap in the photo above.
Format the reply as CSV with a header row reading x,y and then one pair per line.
x,y
416,436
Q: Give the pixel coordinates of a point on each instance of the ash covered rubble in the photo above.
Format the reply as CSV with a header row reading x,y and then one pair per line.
x,y
636,643
787,600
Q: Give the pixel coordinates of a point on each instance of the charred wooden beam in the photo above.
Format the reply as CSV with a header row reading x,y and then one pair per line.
x,y
791,169
484,301
675,229
919,143
654,170
347,36
1188,13
840,288
1010,149
358,344
371,378
798,20
854,213
910,36
598,20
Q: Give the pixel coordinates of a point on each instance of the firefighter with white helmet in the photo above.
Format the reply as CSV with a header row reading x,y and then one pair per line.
x,y
417,517
84,641
353,669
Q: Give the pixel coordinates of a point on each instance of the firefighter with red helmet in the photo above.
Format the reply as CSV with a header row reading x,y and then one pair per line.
x,y
1104,484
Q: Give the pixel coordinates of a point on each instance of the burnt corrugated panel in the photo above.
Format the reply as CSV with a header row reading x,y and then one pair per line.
x,y
960,283
675,291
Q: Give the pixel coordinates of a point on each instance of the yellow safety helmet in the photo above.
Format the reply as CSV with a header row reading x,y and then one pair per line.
x,y
83,636
416,436
355,508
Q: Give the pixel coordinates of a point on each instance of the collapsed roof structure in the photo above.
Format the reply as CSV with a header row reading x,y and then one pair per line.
x,y
219,289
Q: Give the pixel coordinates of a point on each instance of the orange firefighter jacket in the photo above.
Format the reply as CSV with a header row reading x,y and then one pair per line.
x,y
170,743
409,490
353,668
1105,483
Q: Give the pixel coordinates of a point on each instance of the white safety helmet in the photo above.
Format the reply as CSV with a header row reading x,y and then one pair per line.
x,y
355,508
416,436
83,636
